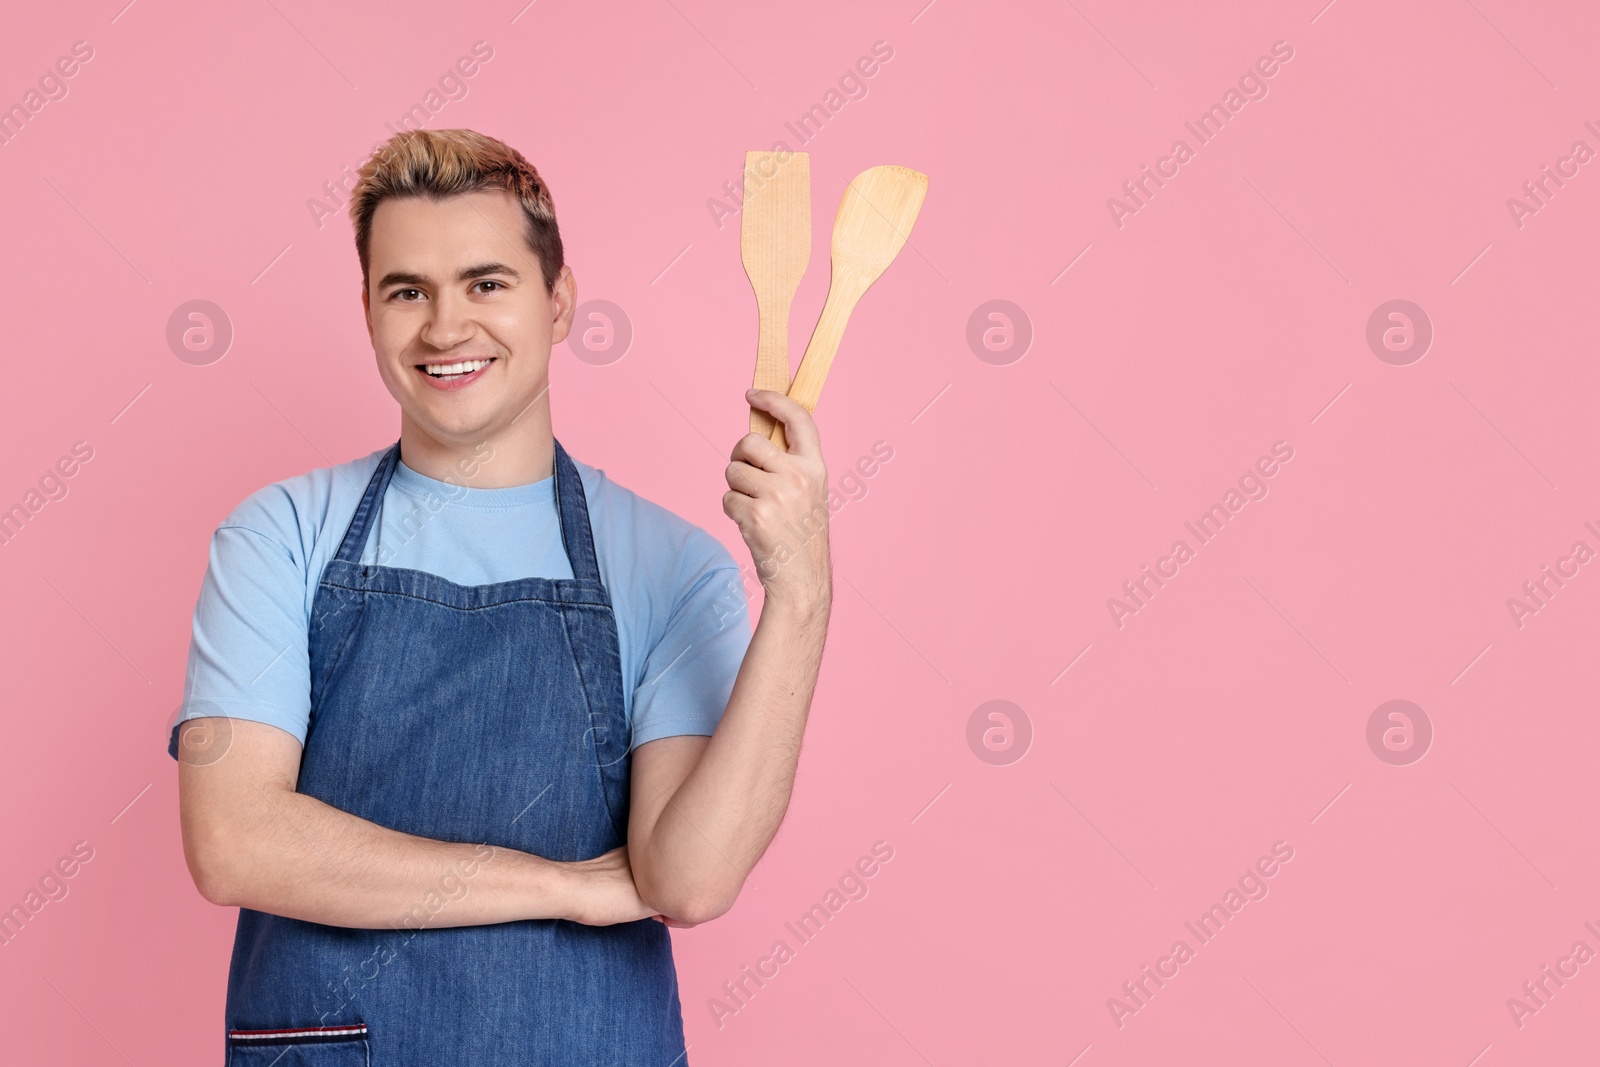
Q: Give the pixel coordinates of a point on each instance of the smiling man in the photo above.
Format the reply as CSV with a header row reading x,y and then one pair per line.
x,y
467,725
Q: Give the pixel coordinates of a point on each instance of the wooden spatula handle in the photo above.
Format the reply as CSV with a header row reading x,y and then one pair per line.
x,y
772,359
806,388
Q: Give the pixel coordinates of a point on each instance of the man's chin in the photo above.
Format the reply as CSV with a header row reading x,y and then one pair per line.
x,y
457,430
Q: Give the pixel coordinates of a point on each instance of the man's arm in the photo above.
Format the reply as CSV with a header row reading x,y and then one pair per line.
x,y
702,811
252,841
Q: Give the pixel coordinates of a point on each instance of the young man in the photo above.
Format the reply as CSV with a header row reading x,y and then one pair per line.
x,y
461,765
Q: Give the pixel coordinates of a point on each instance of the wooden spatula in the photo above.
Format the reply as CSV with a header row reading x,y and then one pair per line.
x,y
775,244
875,218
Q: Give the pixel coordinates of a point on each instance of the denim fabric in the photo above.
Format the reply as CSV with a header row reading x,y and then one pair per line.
x,y
484,714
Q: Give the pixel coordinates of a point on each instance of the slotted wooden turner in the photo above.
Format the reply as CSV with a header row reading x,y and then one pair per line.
x,y
875,217
775,245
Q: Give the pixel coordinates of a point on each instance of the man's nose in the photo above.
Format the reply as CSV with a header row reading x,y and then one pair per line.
x,y
449,322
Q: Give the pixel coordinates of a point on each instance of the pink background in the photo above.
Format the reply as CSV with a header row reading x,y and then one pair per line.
x,y
1227,314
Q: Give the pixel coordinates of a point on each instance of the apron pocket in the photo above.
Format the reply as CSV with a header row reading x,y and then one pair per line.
x,y
302,1046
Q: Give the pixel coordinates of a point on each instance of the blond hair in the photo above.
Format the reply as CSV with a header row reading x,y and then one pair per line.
x,y
441,163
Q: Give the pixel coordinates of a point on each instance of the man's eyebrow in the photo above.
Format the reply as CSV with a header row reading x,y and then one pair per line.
x,y
466,274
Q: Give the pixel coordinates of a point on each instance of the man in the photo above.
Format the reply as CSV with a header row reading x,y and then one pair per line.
x,y
460,766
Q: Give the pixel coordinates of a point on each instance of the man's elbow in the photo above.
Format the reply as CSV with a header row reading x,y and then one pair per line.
x,y
693,913
691,905
213,883
212,868
704,910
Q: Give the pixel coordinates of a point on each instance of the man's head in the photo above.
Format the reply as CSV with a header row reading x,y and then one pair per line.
x,y
461,261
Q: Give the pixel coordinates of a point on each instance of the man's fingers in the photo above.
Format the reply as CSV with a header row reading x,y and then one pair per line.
x,y
758,451
745,478
798,426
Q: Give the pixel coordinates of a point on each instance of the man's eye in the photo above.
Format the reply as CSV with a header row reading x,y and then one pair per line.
x,y
489,282
402,292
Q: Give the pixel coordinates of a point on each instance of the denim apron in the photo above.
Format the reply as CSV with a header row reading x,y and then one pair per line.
x,y
483,714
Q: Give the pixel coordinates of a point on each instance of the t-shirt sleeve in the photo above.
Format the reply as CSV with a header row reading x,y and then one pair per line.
x,y
248,654
689,672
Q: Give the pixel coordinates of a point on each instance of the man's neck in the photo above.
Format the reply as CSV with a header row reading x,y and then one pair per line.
x,y
519,454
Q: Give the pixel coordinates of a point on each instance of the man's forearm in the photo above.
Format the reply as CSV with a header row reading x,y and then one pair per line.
x,y
705,812
716,825
304,859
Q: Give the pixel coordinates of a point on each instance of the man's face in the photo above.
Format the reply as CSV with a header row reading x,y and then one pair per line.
x,y
453,281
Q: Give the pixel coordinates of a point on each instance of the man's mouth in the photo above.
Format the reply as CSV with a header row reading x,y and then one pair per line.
x,y
453,372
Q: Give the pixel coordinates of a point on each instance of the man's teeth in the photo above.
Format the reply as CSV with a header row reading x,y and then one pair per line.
x,y
443,370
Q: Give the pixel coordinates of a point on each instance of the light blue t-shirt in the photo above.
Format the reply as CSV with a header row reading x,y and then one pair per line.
x,y
682,616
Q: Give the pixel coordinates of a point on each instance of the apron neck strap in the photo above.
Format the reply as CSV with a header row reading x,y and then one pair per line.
x,y
572,507
355,537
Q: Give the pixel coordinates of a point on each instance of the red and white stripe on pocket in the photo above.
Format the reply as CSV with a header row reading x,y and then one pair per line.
x,y
301,1035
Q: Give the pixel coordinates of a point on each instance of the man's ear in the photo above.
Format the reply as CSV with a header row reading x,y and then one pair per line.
x,y
366,308
563,303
